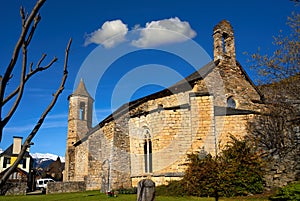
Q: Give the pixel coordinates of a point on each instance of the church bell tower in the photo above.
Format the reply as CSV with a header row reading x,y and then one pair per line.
x,y
224,47
79,123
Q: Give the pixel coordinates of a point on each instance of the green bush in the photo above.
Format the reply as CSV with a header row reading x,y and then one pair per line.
x,y
174,188
237,171
289,192
127,191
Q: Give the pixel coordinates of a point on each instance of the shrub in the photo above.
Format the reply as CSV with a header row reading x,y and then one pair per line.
x,y
236,171
127,190
174,188
289,192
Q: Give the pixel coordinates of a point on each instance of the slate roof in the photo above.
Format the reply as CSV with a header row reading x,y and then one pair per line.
x,y
81,90
183,85
9,150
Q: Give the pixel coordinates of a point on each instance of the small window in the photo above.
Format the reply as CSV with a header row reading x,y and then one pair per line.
x,y
160,107
82,111
23,162
6,162
231,103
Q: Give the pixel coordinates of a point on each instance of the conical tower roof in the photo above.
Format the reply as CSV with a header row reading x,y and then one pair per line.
x,y
81,90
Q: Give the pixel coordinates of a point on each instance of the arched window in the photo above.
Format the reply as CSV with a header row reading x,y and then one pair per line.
x,y
147,150
231,103
82,111
224,37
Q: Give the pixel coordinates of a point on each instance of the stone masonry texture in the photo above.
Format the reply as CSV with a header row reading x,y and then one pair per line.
x,y
159,130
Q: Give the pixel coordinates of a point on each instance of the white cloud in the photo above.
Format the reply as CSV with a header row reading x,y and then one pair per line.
x,y
109,35
165,31
155,33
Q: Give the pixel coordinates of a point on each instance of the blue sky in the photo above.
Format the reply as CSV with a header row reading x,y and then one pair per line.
x,y
131,54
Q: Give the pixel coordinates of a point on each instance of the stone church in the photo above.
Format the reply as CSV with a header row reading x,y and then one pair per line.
x,y
151,137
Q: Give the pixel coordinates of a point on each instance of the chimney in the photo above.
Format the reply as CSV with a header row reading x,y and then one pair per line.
x,y
17,145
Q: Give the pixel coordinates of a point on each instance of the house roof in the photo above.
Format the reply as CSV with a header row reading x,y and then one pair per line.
x,y
182,85
9,152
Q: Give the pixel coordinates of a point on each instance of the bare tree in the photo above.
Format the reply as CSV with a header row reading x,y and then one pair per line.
x,y
276,131
280,83
29,25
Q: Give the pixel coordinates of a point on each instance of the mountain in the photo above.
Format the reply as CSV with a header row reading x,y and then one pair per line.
x,y
47,156
43,160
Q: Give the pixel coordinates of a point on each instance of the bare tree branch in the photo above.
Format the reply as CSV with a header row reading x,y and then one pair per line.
x,y
21,86
26,24
31,73
36,21
29,25
27,142
15,55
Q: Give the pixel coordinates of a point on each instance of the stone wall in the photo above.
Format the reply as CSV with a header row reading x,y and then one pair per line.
x,y
14,188
76,165
175,131
202,123
100,146
81,165
235,125
95,175
159,179
65,187
281,170
120,158
109,157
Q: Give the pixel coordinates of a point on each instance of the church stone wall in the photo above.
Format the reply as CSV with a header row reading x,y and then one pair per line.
x,y
81,166
202,110
95,172
109,156
235,125
100,146
120,158
169,135
175,132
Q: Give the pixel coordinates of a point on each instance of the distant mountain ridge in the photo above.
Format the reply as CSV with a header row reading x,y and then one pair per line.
x,y
47,156
43,160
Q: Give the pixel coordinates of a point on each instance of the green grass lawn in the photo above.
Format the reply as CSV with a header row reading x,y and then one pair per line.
x,y
95,195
